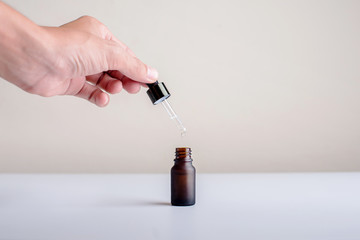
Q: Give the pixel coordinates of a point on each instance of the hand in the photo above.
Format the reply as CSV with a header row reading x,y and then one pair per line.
x,y
80,58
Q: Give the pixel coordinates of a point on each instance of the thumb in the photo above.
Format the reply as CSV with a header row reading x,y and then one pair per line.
x,y
119,57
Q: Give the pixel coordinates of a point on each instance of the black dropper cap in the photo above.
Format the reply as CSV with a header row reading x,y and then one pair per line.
x,y
157,92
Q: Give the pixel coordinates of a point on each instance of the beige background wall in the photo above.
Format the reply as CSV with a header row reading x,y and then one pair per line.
x,y
260,85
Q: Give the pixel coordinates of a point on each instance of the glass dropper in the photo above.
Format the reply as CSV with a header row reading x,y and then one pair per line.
x,y
158,93
174,117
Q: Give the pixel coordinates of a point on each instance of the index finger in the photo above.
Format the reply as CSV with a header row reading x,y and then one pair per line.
x,y
120,58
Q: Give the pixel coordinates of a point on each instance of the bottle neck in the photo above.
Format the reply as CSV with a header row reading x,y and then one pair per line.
x,y
183,154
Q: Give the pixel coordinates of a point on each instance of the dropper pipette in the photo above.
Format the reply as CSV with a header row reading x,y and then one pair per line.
x,y
174,117
158,93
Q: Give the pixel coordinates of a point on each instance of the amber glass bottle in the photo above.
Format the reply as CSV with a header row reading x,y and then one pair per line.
x,y
183,179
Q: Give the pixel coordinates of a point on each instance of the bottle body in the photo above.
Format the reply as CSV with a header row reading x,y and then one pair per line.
x,y
183,175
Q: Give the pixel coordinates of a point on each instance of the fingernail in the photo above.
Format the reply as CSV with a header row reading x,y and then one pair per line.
x,y
152,74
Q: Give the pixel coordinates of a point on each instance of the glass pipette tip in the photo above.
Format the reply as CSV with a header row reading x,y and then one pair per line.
x,y
174,117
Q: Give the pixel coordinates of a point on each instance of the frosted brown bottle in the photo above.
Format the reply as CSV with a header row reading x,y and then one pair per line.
x,y
183,179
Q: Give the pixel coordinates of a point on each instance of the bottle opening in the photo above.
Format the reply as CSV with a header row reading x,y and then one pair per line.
x,y
183,152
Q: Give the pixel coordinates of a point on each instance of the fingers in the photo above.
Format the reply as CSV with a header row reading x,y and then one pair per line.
x,y
106,82
111,85
121,59
101,52
128,84
93,94
131,86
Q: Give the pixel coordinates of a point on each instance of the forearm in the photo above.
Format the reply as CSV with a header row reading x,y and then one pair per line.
x,y
21,42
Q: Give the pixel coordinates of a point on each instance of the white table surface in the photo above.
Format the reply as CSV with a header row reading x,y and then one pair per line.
x,y
136,206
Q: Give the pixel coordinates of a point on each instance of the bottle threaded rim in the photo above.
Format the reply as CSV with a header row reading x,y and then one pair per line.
x,y
183,152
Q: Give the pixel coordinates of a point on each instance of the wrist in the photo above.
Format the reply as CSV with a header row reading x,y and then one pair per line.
x,y
22,43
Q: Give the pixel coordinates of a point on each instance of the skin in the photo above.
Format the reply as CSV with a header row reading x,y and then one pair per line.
x,y
81,58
